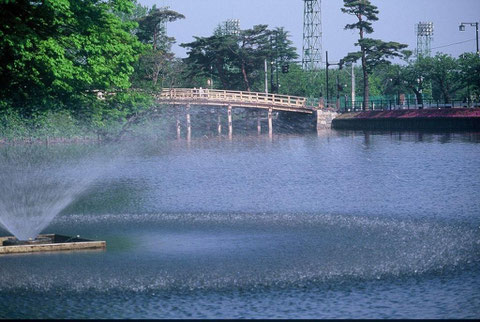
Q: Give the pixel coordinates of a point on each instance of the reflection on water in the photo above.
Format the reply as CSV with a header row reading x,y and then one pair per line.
x,y
335,225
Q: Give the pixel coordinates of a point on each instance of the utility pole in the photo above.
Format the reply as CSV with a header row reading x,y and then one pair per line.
x,y
353,86
338,94
340,66
266,77
276,62
272,84
326,60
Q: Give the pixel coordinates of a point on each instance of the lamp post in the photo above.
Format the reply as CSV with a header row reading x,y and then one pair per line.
x,y
210,81
473,24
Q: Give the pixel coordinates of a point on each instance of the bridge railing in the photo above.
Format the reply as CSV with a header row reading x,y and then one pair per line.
x,y
189,94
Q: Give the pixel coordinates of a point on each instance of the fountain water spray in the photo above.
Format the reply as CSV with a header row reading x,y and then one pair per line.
x,y
37,183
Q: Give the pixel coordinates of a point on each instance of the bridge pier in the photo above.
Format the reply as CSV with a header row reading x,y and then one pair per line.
x,y
259,123
209,122
325,118
219,122
270,122
189,123
177,116
230,122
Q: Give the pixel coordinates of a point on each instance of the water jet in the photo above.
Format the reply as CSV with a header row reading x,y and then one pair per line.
x,y
48,243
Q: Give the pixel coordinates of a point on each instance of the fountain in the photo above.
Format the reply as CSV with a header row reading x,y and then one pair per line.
x,y
36,184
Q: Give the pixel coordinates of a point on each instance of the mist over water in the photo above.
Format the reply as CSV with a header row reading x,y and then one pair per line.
x,y
37,183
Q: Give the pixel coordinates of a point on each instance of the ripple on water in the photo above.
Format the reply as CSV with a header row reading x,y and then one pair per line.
x,y
186,252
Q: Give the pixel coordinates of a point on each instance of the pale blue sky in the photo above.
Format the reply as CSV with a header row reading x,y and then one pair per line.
x,y
397,21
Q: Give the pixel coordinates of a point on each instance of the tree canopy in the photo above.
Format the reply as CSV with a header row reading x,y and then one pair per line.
x,y
237,60
52,51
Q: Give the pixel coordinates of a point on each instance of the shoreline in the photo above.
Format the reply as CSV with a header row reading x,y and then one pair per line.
x,y
48,140
427,119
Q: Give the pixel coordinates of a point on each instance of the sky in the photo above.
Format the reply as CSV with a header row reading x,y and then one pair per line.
x,y
397,19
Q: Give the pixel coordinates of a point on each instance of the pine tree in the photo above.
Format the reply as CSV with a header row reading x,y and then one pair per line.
x,y
373,52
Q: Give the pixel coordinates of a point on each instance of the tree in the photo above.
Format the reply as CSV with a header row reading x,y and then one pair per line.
x,y
151,30
52,53
282,47
373,52
469,65
414,79
252,52
402,78
442,70
136,12
237,59
213,56
281,52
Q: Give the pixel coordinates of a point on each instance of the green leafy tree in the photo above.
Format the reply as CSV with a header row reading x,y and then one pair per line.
x,y
392,79
373,52
443,71
469,65
53,53
136,12
413,78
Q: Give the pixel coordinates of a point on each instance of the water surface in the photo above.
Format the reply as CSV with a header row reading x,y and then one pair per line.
x,y
340,225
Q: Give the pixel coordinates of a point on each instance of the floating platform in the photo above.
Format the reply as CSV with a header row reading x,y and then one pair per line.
x,y
48,243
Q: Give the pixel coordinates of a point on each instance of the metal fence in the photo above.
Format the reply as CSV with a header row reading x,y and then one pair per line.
x,y
393,104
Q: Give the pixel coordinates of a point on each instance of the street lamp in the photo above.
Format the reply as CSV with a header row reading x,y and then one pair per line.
x,y
210,81
473,24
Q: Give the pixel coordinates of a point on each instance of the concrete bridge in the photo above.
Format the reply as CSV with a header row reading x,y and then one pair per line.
x,y
230,99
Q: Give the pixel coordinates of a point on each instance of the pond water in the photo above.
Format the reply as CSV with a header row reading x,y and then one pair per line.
x,y
336,225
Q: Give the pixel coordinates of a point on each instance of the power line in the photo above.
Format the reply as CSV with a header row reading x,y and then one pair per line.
x,y
456,43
